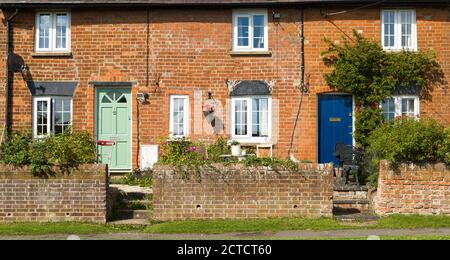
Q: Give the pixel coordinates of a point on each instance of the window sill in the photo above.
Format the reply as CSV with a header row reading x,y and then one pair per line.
x,y
51,54
251,53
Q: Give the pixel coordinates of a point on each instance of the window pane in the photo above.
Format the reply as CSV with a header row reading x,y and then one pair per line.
x,y
179,116
241,110
44,31
258,31
42,117
61,31
388,109
406,20
243,31
408,107
260,117
389,28
62,115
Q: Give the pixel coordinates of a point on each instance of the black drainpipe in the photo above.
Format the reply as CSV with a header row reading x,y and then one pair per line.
x,y
9,78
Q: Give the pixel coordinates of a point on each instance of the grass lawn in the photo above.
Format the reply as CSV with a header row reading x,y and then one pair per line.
x,y
230,226
286,224
60,228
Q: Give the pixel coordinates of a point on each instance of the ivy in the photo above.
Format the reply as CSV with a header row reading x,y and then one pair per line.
x,y
362,68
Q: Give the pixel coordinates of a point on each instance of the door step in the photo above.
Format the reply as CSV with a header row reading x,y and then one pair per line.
x,y
134,214
351,199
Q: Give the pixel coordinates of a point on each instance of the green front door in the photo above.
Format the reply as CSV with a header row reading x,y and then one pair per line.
x,y
114,124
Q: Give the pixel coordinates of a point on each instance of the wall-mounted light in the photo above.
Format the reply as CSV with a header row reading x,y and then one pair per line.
x,y
142,97
276,15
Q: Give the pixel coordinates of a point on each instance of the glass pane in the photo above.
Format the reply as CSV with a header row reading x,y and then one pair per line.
x,y
58,118
106,100
123,99
59,105
59,129
44,31
241,111
67,120
243,31
61,31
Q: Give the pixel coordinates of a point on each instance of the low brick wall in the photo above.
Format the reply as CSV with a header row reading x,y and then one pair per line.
x,y
235,192
78,196
413,189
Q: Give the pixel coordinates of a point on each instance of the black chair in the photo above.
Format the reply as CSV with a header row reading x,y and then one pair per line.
x,y
346,157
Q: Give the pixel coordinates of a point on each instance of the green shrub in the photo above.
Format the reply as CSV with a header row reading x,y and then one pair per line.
x,y
367,120
186,156
444,151
215,150
409,140
15,149
67,150
71,149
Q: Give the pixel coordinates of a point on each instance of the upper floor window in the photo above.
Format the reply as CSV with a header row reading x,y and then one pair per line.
x,y
407,106
399,31
250,30
52,32
179,116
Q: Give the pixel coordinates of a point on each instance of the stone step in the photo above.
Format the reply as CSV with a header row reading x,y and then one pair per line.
x,y
355,217
352,206
352,202
134,214
350,188
136,196
130,203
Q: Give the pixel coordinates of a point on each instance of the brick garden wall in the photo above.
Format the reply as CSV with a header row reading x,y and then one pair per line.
x,y
412,189
78,196
236,192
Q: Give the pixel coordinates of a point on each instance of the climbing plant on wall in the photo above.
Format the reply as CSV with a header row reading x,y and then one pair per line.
x,y
362,68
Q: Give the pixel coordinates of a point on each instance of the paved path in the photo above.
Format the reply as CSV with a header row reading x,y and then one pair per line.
x,y
244,236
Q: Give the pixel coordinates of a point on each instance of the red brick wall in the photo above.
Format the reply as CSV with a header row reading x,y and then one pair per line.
x,y
188,49
79,196
236,192
413,189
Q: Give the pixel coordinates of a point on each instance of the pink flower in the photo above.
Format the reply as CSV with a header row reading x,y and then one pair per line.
x,y
192,149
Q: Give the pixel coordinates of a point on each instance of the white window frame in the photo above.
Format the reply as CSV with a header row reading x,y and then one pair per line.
x,y
52,32
249,137
250,14
186,116
51,114
398,30
398,104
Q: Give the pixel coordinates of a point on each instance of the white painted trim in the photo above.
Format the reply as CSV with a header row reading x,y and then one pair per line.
x,y
52,32
398,104
250,13
49,119
51,114
186,116
398,32
249,139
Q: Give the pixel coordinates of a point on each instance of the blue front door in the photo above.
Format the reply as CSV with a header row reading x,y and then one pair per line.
x,y
335,124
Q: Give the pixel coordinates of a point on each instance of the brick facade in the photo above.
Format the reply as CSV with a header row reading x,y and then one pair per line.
x,y
413,189
78,196
237,192
187,51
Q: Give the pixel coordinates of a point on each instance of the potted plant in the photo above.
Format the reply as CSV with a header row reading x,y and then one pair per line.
x,y
235,148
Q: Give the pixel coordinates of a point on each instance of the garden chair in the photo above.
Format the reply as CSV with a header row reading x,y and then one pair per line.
x,y
346,157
